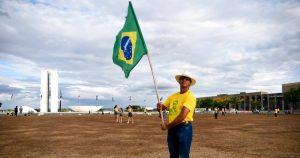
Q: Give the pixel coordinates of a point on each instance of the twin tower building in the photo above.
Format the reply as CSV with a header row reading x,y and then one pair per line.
x,y
49,91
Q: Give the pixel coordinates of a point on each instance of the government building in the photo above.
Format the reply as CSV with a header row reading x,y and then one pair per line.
x,y
268,101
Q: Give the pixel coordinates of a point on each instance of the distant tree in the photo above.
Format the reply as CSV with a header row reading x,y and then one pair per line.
x,y
206,103
292,97
198,104
235,101
65,110
221,102
272,102
256,105
136,108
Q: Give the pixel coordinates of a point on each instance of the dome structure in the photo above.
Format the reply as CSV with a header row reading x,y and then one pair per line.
x,y
27,109
83,108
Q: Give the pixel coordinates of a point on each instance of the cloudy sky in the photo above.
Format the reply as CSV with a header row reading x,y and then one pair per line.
x,y
229,46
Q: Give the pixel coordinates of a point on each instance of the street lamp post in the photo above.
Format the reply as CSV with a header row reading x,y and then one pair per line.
x,y
268,99
268,103
78,99
97,103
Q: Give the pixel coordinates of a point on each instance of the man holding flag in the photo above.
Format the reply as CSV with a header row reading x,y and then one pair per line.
x,y
129,48
181,106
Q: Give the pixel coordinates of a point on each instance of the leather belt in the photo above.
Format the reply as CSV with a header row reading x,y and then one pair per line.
x,y
185,122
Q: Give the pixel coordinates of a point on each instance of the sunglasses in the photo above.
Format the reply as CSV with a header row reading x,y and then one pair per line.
x,y
185,78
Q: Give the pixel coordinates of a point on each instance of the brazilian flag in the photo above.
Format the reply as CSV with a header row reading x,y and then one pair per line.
x,y
129,46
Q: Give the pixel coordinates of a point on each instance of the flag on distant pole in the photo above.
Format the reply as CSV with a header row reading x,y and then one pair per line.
x,y
129,46
12,96
60,94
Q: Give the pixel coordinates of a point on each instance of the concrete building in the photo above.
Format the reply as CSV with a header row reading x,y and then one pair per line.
x,y
287,88
267,100
44,103
54,91
49,90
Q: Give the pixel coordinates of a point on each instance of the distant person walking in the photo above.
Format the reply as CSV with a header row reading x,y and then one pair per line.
x,y
116,110
130,115
21,110
276,111
121,115
181,106
16,111
235,110
223,111
216,112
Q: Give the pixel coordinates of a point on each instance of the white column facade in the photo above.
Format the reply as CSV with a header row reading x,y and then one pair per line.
x,y
49,80
44,104
54,91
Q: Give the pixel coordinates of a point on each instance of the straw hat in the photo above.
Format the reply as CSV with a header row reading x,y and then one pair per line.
x,y
186,74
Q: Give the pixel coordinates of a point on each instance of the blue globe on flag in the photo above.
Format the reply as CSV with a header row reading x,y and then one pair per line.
x,y
126,46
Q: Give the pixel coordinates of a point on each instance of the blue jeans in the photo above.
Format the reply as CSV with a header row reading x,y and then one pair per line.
x,y
180,140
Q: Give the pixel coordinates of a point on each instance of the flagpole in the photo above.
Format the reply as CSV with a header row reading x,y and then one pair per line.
x,y
155,86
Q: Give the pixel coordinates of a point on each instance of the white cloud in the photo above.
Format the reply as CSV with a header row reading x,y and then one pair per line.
x,y
229,46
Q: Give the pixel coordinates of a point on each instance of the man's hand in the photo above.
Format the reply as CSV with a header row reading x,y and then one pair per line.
x,y
164,126
159,106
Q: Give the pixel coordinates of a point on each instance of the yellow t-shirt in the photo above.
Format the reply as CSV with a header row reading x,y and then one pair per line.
x,y
177,101
129,109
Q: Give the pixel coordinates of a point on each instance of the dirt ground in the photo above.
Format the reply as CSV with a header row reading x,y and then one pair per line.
x,y
247,136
